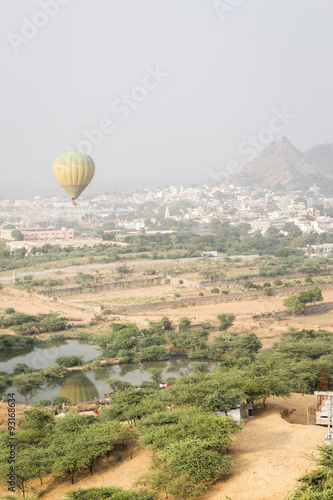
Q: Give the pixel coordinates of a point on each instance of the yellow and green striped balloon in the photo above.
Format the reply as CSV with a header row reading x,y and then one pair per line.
x,y
79,389
74,170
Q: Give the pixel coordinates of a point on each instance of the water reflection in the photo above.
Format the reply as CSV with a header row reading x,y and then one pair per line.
x,y
79,388
44,355
88,385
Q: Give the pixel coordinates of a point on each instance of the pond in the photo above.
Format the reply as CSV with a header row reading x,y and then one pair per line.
x,y
44,355
82,387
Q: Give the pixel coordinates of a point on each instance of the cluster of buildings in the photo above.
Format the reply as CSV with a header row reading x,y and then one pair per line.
x,y
147,209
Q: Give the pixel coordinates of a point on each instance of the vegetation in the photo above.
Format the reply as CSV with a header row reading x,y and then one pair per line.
x,y
317,484
16,342
68,361
296,303
225,238
107,493
179,424
28,324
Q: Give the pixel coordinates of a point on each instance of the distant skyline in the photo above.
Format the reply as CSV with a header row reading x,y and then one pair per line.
x,y
158,92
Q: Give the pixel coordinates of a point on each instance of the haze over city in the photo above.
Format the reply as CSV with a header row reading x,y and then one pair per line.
x,y
174,88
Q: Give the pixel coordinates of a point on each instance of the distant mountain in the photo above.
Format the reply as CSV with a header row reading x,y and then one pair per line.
x,y
281,164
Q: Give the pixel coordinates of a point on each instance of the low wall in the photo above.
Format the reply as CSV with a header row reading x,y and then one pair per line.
x,y
114,285
86,307
237,281
187,301
211,299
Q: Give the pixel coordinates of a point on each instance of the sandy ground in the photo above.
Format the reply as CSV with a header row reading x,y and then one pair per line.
x,y
270,455
270,452
267,329
123,474
27,302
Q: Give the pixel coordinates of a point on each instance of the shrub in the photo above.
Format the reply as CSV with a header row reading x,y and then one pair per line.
x,y
226,320
58,336
9,310
68,361
150,272
21,368
201,294
107,493
248,285
215,290
85,336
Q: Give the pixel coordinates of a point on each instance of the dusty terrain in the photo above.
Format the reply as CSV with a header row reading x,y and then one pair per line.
x,y
267,329
29,303
269,453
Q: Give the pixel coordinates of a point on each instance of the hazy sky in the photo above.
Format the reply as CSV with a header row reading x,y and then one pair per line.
x,y
176,87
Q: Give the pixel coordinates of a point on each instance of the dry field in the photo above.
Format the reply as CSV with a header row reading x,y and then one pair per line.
x,y
27,302
267,329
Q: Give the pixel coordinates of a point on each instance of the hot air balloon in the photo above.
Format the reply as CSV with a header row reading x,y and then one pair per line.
x,y
74,170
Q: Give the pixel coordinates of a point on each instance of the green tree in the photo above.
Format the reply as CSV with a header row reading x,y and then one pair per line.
x,y
226,320
19,368
315,294
28,385
294,304
17,235
184,323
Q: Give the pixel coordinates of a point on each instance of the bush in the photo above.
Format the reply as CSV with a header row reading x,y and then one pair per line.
x,y
58,337
21,368
248,285
268,291
155,353
107,493
85,336
68,361
42,402
16,342
107,311
9,310
225,292
150,272
226,320
201,294
215,290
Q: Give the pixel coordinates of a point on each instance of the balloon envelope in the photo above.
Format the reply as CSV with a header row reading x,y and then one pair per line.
x,y
74,170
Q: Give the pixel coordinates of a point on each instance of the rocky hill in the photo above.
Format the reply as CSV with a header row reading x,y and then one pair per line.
x,y
281,164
